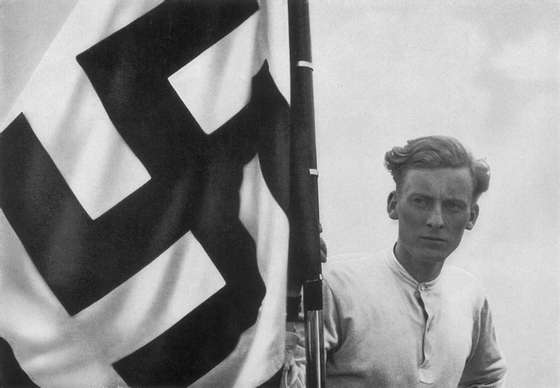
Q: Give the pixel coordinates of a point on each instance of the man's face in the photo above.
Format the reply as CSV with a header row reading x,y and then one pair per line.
x,y
433,207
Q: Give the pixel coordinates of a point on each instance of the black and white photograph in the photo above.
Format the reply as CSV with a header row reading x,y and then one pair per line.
x,y
280,193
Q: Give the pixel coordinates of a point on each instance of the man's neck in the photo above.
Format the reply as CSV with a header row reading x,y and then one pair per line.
x,y
421,270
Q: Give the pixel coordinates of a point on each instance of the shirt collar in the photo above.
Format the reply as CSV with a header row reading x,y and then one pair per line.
x,y
401,272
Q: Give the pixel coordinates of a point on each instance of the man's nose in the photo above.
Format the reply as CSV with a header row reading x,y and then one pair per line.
x,y
435,219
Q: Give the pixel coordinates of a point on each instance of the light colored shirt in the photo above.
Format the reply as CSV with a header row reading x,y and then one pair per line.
x,y
385,329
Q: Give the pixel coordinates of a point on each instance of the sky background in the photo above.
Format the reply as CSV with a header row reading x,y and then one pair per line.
x,y
486,72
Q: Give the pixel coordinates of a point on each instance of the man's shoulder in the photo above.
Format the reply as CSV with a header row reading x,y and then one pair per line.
x,y
351,267
458,280
352,281
460,275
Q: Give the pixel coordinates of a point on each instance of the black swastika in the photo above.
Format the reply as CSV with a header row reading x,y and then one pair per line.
x,y
194,186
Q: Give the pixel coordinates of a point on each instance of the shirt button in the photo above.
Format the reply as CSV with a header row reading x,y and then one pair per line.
x,y
422,287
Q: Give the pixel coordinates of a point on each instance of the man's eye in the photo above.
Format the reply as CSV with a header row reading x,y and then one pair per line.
x,y
454,206
419,201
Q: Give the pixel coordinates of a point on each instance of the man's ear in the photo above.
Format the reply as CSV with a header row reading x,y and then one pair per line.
x,y
472,217
392,206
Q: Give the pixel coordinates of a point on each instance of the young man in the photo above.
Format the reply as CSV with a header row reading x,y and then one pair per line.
x,y
400,318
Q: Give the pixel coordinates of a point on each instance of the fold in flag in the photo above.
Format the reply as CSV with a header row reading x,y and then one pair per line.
x,y
144,190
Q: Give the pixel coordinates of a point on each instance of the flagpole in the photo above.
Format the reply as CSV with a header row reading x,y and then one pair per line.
x,y
305,241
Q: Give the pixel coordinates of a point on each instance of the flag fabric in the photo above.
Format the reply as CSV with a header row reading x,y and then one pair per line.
x,y
144,191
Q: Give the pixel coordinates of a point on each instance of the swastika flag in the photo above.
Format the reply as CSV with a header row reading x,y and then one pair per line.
x,y
144,190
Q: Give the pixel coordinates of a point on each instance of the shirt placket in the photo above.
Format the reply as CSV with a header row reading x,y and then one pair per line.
x,y
425,373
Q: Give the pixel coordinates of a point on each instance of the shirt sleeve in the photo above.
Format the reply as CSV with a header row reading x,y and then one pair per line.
x,y
332,329
293,374
485,367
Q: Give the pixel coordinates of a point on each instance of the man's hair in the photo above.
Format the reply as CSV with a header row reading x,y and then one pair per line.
x,y
437,152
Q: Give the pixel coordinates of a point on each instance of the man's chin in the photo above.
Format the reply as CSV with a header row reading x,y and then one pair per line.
x,y
433,255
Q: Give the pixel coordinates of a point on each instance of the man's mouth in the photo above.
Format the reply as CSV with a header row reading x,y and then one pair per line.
x,y
431,238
